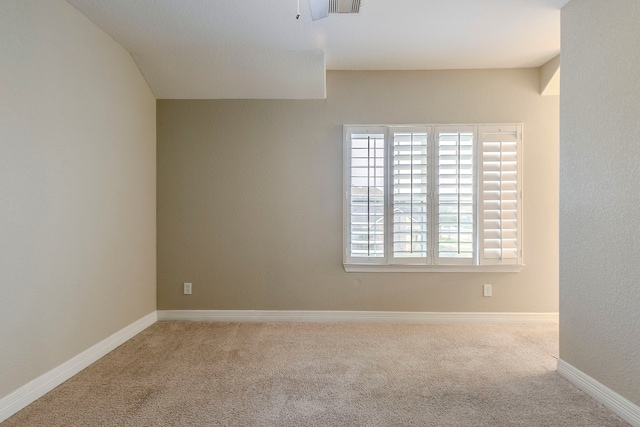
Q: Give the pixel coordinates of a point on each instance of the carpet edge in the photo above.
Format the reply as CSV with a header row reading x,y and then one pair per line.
x,y
327,316
38,387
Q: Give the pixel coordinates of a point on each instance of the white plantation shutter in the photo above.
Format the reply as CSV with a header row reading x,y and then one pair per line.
x,y
500,193
455,195
433,198
366,193
410,193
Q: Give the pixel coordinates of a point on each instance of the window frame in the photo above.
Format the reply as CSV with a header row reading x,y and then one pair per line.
x,y
389,263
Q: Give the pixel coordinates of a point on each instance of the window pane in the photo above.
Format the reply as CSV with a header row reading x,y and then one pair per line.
x,y
456,213
367,195
410,194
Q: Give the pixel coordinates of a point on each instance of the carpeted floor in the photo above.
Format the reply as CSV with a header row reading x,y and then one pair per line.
x,y
288,374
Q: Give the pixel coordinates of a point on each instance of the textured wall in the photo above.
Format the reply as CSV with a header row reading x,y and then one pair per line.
x,y
250,196
77,188
600,201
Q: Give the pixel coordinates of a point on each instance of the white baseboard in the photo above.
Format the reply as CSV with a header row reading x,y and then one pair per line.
x,y
38,387
624,408
354,316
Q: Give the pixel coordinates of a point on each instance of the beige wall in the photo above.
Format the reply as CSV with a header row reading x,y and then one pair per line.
x,y
77,188
600,201
250,196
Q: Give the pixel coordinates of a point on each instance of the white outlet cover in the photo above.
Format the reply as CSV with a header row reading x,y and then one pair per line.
x,y
487,290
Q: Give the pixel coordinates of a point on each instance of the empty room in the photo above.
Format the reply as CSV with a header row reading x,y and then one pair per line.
x,y
319,212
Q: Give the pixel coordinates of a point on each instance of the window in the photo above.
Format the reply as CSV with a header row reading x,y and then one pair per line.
x,y
433,198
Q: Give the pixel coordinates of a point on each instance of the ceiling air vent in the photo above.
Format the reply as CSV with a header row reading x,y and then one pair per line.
x,y
344,6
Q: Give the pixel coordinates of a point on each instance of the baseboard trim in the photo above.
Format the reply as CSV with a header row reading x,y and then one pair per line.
x,y
38,387
624,408
354,316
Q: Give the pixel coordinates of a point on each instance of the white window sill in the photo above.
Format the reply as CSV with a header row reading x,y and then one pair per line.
x,y
396,268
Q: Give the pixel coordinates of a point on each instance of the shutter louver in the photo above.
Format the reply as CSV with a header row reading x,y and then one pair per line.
x,y
500,195
410,193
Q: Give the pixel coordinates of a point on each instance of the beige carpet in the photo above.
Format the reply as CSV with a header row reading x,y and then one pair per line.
x,y
284,374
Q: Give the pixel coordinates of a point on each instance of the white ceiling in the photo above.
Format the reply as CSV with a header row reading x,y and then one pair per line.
x,y
206,49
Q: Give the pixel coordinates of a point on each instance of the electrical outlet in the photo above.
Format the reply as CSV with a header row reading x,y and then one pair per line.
x,y
487,291
187,288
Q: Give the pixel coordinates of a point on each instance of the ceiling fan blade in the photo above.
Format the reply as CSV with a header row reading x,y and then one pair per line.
x,y
319,9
